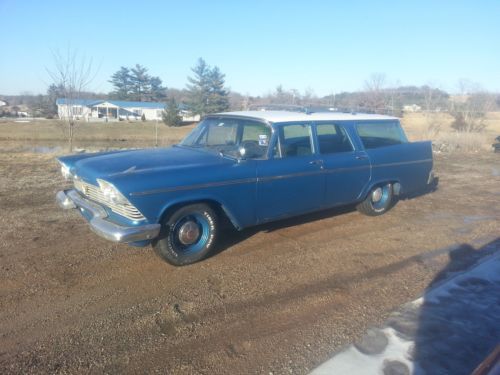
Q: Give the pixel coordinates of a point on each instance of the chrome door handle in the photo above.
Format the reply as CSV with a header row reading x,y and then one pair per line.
x,y
316,162
362,157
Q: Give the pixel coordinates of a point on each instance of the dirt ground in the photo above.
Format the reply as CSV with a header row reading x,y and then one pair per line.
x,y
279,298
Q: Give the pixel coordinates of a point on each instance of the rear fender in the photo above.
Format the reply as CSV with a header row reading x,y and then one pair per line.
x,y
380,182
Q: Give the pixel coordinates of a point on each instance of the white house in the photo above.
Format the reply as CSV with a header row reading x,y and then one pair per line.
x,y
412,108
114,110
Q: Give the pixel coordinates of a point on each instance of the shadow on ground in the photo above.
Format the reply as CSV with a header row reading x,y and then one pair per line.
x,y
230,236
459,327
449,331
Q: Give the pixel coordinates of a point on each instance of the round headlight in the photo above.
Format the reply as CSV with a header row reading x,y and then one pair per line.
x,y
65,171
111,193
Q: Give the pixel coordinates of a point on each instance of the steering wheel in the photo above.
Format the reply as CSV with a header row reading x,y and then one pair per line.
x,y
252,149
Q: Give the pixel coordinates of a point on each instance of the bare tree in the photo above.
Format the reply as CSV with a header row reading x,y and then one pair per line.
x,y
72,74
393,99
430,101
309,97
295,96
375,96
470,108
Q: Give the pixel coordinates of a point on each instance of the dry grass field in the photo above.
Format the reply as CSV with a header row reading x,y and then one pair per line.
x,y
96,136
91,136
437,127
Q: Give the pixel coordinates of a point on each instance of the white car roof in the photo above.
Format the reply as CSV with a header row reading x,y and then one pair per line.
x,y
288,116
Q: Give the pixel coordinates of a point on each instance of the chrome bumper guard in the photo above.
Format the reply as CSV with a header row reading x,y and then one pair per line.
x,y
69,199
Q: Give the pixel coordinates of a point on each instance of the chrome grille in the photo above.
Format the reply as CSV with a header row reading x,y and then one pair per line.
x,y
94,193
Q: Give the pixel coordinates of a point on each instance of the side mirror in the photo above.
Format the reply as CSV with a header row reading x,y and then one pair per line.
x,y
241,153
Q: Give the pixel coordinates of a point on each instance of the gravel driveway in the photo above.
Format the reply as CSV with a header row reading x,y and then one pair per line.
x,y
280,298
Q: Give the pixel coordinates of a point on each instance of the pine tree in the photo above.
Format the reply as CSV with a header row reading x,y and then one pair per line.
x,y
206,90
158,92
218,100
170,115
198,88
53,93
136,84
121,80
140,82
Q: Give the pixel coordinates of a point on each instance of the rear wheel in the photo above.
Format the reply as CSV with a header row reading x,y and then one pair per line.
x,y
378,201
187,235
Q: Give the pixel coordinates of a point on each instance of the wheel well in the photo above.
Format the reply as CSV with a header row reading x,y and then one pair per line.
x,y
214,205
379,183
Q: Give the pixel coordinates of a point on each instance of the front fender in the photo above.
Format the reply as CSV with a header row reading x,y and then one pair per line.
x,y
172,205
237,200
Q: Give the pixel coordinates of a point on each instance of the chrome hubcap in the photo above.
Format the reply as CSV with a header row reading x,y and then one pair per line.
x,y
189,233
377,195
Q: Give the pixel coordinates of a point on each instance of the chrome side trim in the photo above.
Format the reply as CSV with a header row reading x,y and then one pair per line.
x,y
270,178
339,170
402,163
197,186
111,231
291,175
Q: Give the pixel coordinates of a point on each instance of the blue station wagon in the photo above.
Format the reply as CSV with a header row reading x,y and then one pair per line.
x,y
248,167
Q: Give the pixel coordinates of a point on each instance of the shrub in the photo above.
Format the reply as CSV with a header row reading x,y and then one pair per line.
x,y
170,115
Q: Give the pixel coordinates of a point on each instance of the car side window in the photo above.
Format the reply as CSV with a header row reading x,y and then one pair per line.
x,y
223,133
381,134
255,138
332,138
295,140
256,132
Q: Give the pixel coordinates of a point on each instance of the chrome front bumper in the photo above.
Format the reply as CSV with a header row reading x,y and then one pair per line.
x,y
68,199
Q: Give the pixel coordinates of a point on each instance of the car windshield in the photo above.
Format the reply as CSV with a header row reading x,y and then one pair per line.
x,y
231,136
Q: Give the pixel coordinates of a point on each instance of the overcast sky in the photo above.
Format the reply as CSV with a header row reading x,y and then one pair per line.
x,y
324,46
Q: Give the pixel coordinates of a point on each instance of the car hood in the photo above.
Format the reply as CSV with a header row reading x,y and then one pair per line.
x,y
109,165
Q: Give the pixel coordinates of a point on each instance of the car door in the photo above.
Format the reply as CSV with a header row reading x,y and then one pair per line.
x,y
347,171
291,182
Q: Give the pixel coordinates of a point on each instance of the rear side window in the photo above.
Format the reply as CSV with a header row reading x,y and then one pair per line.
x,y
381,134
332,138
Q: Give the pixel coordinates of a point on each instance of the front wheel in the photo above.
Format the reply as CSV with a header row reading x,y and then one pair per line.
x,y
187,235
378,201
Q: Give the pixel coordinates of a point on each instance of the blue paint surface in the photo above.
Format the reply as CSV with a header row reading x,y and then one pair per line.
x,y
255,191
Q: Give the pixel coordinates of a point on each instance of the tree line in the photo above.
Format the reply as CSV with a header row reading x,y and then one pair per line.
x,y
135,84
206,93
